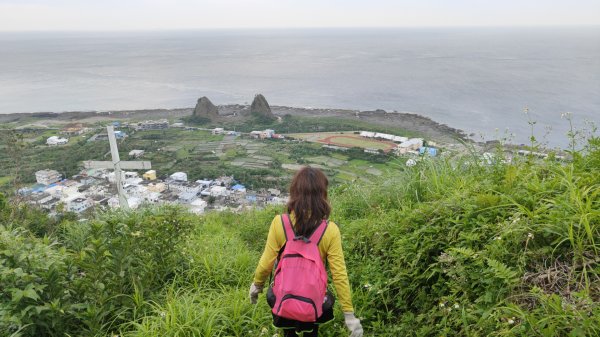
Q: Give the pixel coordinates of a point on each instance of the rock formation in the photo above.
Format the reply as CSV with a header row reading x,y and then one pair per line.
x,y
260,107
205,108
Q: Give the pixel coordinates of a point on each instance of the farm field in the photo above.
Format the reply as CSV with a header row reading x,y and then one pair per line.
x,y
345,139
254,162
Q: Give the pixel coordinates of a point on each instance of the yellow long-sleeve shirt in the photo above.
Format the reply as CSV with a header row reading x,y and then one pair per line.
x,y
330,248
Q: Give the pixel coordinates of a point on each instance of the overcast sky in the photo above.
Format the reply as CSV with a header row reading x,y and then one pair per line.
x,y
191,14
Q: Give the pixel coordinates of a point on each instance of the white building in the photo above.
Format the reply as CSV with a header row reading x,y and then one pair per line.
x,y
79,205
274,192
152,125
218,191
399,139
136,153
384,136
367,134
179,176
204,183
277,201
198,206
55,140
268,133
412,144
47,177
185,187
218,131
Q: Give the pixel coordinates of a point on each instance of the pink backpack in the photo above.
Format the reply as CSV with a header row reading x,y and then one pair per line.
x,y
300,282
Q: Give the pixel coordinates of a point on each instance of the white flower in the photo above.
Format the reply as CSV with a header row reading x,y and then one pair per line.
x,y
368,286
442,305
511,321
530,235
163,314
566,115
456,306
498,238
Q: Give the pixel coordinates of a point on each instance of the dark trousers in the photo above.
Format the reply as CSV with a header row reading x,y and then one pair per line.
x,y
292,332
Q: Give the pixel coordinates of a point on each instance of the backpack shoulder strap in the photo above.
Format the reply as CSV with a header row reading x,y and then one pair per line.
x,y
317,235
287,227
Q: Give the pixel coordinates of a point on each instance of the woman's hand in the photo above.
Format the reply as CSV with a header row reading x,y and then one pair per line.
x,y
254,291
353,324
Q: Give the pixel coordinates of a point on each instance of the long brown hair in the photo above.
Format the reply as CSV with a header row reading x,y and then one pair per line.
x,y
308,200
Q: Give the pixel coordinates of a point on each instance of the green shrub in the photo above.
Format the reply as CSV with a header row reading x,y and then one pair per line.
x,y
36,290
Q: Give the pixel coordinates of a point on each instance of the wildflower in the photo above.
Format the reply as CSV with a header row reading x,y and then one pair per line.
x,y
368,286
456,306
136,233
511,322
530,235
442,304
498,238
566,115
163,314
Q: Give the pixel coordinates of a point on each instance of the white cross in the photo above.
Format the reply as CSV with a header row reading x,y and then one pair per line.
x,y
116,164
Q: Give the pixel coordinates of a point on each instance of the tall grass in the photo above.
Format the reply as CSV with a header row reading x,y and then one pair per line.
x,y
450,247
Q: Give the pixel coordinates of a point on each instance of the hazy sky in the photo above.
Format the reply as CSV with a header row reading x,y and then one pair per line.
x,y
185,14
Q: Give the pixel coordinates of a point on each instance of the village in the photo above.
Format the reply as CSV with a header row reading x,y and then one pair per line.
x,y
96,187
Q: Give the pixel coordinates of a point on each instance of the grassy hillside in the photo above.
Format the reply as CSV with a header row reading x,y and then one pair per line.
x,y
445,248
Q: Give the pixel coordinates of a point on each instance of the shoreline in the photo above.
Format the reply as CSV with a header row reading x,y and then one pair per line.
x,y
408,121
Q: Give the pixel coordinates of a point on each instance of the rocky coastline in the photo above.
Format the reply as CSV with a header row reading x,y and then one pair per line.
x,y
408,121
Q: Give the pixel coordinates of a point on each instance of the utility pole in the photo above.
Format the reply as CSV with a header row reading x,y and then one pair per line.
x,y
116,164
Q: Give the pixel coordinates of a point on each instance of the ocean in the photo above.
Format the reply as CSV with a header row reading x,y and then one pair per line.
x,y
475,79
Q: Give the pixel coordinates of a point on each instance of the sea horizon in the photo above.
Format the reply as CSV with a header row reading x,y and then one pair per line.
x,y
477,79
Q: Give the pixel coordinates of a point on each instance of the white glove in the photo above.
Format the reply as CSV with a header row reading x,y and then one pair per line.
x,y
353,324
254,291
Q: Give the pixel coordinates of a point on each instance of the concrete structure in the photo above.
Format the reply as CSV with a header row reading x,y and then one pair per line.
x,y
149,175
136,153
73,129
197,206
240,189
268,133
399,139
47,177
179,176
55,140
152,125
205,183
79,205
218,131
157,187
218,191
274,192
412,144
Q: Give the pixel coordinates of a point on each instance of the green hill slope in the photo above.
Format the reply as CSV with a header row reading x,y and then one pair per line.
x,y
451,247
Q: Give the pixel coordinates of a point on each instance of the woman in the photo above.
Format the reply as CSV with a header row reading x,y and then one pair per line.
x,y
308,208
